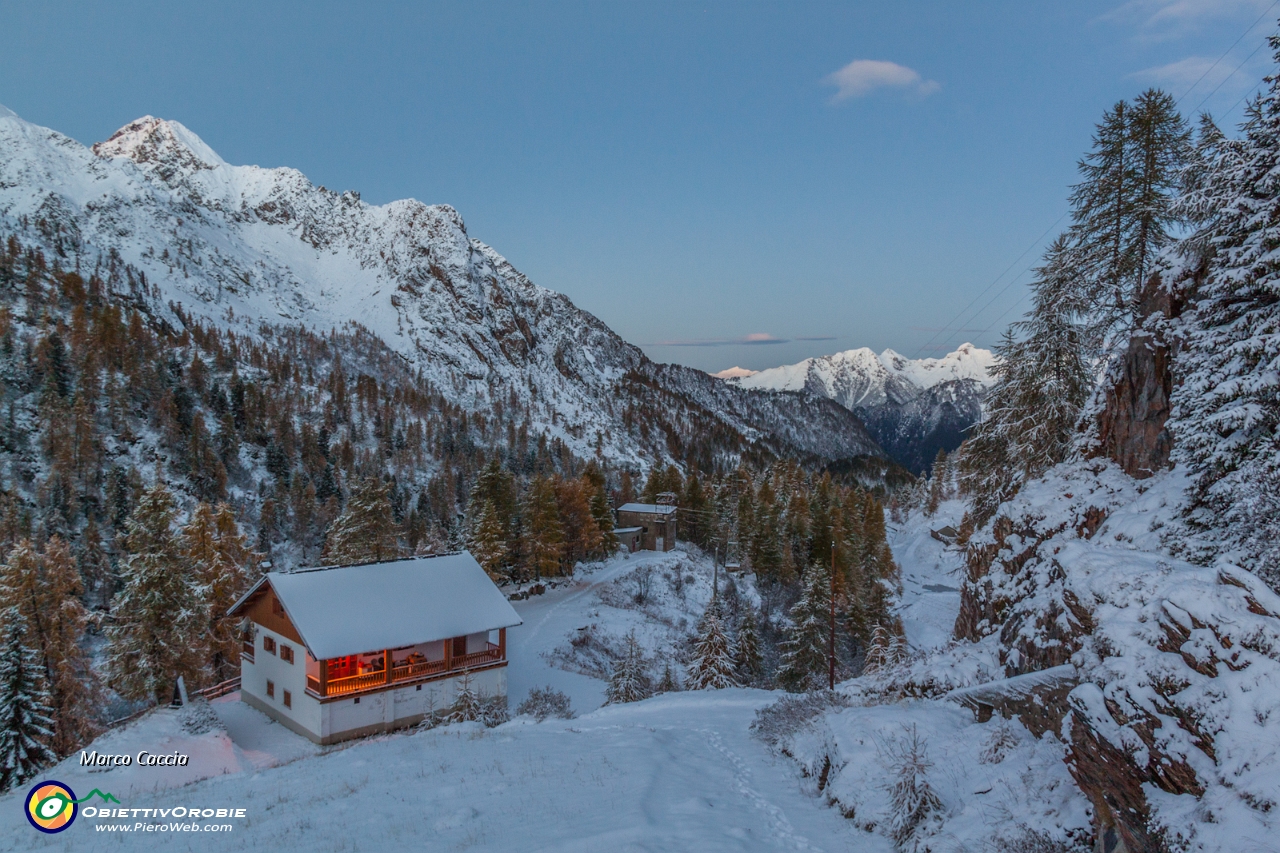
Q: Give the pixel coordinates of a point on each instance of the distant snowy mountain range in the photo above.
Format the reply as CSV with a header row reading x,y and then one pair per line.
x,y
911,406
244,246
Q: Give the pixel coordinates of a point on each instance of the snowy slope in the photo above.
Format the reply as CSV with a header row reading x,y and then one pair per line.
x,y
677,772
911,406
247,245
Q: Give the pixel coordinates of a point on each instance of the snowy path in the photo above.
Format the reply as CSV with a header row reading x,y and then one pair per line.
x,y
678,772
548,619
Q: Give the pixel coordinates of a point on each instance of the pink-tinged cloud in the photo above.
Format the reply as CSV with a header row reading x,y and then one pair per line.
x,y
863,76
753,339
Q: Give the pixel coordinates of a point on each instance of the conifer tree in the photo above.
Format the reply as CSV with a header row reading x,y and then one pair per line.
x,y
693,511
661,480
366,532
158,619
1041,383
42,592
914,808
26,726
805,651
219,557
626,488
713,654
582,538
486,540
1226,409
885,650
1123,208
542,539
630,679
594,483
766,540
669,683
497,486
937,483
467,703
747,661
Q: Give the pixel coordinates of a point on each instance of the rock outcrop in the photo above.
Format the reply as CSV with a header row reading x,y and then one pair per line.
x,y
1131,426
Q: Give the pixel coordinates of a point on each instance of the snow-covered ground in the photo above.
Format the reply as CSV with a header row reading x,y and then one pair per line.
x,y
676,772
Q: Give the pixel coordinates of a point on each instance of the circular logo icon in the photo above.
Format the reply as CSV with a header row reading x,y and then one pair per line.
x,y
51,806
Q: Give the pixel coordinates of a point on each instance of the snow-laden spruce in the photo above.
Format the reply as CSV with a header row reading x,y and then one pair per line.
x,y
630,681
26,726
713,653
1227,406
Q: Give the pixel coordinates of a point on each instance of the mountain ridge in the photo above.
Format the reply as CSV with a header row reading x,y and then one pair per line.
x,y
912,407
247,245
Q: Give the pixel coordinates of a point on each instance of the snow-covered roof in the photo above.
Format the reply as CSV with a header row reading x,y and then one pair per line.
x,y
347,610
655,508
627,529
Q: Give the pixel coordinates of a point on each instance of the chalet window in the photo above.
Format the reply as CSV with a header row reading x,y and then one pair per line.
x,y
269,645
288,699
286,653
276,607
271,689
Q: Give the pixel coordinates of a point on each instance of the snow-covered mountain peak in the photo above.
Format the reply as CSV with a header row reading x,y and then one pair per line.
x,y
167,146
734,372
966,362
5,112
912,406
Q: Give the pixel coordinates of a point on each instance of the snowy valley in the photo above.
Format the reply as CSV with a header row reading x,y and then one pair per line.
x,y
744,623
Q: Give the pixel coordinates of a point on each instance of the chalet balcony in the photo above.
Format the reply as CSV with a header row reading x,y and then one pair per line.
x,y
246,650
396,672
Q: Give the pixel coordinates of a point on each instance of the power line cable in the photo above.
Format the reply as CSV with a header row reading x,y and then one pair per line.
x,y
1228,50
957,321
1229,76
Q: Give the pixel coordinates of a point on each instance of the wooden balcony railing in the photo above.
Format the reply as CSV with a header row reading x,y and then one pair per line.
x,y
413,670
355,683
405,672
489,655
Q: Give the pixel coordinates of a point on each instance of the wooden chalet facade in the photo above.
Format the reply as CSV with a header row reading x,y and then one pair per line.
x,y
345,651
652,526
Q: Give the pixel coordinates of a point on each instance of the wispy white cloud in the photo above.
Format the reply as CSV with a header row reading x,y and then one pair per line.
x,y
1171,18
1186,72
863,76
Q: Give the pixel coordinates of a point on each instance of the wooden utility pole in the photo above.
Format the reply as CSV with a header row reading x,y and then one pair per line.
x,y
831,647
715,574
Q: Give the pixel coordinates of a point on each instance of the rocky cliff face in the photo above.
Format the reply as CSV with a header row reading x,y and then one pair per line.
x,y
245,246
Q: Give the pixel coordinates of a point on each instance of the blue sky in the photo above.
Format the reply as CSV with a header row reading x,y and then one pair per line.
x,y
723,183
